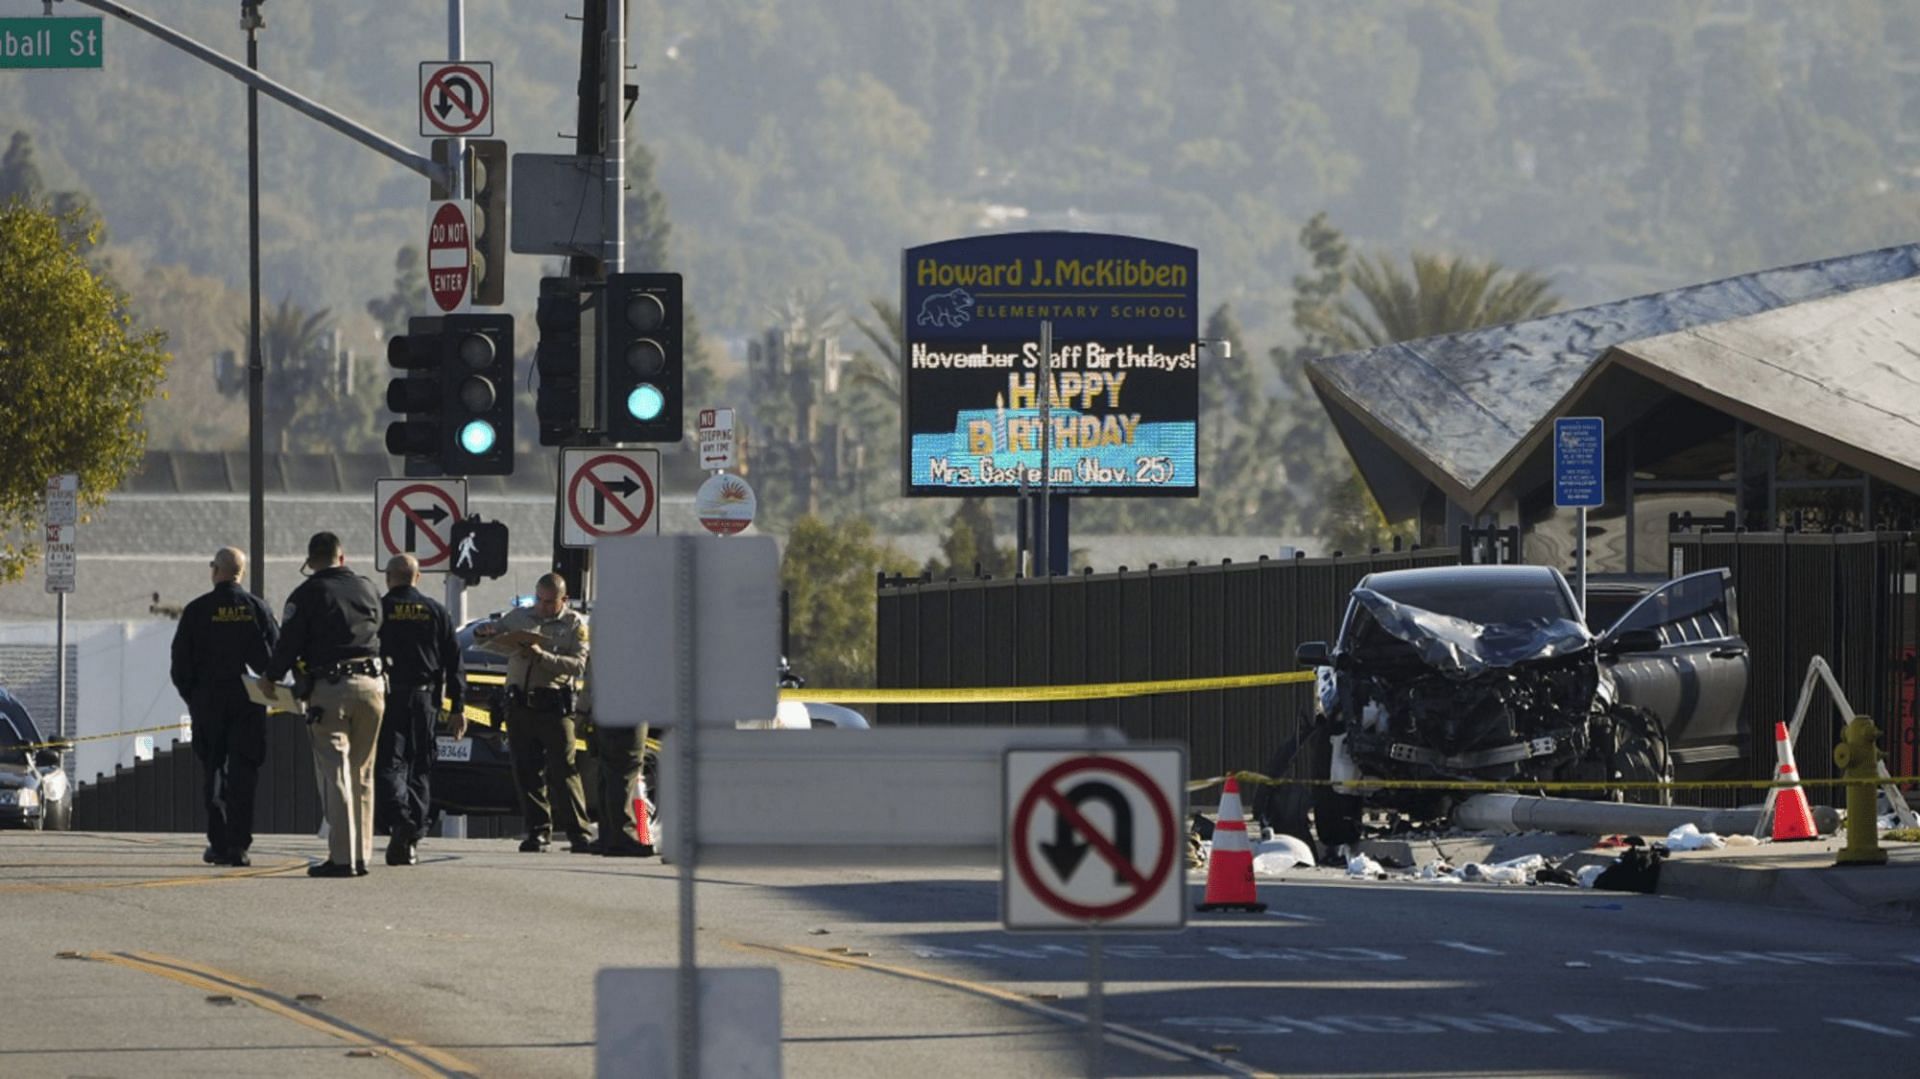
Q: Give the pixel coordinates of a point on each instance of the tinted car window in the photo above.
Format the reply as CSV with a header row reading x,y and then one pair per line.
x,y
1475,602
1688,611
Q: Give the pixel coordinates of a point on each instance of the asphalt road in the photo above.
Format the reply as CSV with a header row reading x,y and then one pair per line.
x,y
126,956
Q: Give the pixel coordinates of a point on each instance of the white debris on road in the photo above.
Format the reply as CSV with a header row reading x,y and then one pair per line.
x,y
1361,867
1690,837
1274,856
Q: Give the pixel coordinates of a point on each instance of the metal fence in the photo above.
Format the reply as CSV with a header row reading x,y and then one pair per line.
x,y
1848,597
1187,622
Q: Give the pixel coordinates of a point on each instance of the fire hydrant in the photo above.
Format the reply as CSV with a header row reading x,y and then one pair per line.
x,y
1858,758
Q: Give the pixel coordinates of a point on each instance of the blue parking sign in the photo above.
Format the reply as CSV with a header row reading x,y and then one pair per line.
x,y
1579,461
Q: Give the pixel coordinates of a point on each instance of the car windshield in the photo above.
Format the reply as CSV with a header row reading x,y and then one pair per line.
x,y
1474,601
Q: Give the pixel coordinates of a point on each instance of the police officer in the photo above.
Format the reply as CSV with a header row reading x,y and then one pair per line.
x,y
618,753
332,628
221,635
546,650
423,666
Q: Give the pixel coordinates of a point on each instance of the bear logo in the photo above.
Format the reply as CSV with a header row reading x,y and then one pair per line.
x,y
953,308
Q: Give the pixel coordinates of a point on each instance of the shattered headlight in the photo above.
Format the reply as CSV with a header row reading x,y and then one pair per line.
x,y
19,796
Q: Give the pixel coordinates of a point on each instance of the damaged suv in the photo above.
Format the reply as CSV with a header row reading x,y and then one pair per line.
x,y
1489,673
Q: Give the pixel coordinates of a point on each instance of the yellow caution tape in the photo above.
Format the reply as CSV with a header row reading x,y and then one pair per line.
x,y
1004,694
1255,779
69,743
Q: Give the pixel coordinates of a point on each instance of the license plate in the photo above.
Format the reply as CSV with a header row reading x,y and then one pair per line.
x,y
453,749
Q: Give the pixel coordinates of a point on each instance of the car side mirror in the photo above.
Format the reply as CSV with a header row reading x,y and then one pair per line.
x,y
1632,640
1311,654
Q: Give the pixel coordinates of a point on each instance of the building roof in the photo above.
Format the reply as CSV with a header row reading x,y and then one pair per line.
x,y
1458,407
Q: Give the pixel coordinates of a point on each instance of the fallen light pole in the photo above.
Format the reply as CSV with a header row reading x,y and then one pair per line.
x,y
1531,813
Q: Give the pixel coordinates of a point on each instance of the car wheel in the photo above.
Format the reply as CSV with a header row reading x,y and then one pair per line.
x,y
1640,754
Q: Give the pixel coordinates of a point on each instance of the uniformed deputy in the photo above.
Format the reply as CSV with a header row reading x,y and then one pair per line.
x,y
221,634
618,752
423,668
543,670
332,627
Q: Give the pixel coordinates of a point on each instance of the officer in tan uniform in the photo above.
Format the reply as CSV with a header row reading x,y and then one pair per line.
x,y
546,650
332,628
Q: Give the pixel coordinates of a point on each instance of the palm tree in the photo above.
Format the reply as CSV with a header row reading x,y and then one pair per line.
x,y
1445,294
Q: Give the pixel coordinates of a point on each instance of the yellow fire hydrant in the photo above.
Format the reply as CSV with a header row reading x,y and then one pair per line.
x,y
1858,758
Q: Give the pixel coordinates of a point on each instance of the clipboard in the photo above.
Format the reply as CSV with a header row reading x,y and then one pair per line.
x,y
506,642
276,697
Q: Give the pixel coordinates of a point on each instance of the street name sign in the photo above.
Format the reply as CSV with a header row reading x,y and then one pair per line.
x,y
1095,839
46,42
1579,462
416,516
456,98
449,260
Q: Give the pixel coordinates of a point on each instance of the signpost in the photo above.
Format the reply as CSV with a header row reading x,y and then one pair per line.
x,y
47,43
724,504
1095,840
449,260
456,98
1580,479
716,439
63,521
608,492
417,517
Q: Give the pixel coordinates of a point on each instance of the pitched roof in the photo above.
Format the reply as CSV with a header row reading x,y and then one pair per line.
x,y
1456,407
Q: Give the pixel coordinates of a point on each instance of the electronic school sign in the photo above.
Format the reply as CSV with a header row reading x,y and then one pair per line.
x,y
1125,379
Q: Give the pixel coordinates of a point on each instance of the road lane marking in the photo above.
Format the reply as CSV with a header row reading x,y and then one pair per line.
x,y
416,1058
1293,916
1118,1034
1670,983
1871,1028
1465,947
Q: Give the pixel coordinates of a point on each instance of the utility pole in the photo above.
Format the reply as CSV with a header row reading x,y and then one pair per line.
x,y
573,563
252,22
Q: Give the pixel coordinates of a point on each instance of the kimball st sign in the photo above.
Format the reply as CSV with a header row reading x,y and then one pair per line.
x,y
1125,390
45,42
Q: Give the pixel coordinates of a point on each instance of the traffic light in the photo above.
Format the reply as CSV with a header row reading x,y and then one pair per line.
x,y
489,224
479,549
415,395
476,395
557,357
643,321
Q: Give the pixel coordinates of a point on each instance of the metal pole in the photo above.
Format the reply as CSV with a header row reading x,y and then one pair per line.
x,y
689,994
457,190
60,664
1096,1006
613,201
1042,550
1580,560
251,22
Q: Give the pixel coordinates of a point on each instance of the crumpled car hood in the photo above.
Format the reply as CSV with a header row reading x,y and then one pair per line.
x,y
1461,649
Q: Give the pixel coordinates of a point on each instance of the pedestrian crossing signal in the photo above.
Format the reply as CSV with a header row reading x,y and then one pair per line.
x,y
479,549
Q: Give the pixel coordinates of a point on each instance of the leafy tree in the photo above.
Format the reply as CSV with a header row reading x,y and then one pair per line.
x,y
20,178
409,295
970,543
78,374
828,573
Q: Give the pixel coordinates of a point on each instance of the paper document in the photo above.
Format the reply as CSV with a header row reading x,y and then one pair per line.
x,y
276,697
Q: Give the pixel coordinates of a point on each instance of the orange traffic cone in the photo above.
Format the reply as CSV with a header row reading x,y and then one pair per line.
x,y
1792,816
1230,868
641,807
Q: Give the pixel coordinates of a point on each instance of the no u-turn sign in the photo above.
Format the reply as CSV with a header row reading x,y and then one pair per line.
x,y
1094,839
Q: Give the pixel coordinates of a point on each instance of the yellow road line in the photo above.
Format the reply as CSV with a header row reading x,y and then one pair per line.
x,y
162,882
416,1058
1120,1034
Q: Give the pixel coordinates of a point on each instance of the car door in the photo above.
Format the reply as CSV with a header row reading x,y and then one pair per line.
x,y
1697,681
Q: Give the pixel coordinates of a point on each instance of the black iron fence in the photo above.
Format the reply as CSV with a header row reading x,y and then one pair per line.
x,y
1187,622
1848,597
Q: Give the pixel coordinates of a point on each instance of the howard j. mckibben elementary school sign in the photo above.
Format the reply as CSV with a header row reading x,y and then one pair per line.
x,y
1125,376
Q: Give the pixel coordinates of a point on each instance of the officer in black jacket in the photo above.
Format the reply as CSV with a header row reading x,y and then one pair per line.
x,y
220,635
332,628
423,666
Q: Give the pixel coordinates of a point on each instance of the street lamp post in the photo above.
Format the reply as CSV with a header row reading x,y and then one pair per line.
x,y
252,23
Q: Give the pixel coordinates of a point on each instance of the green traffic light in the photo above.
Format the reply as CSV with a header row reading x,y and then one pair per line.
x,y
646,403
477,437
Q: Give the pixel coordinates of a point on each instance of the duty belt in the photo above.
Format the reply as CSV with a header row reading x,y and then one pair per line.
x,y
368,668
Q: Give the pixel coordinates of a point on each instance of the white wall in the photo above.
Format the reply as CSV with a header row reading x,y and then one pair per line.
x,y
122,685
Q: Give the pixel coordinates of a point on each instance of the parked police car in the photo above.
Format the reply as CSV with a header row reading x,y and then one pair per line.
x,y
34,791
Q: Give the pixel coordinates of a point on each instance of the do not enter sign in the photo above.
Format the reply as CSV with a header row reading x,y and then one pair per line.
x,y
449,260
1095,839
